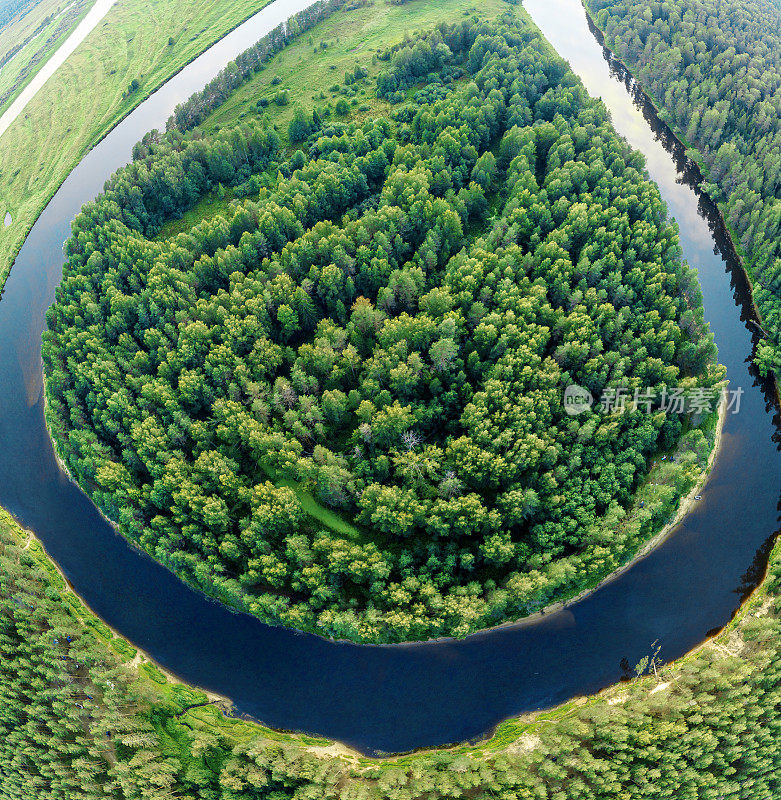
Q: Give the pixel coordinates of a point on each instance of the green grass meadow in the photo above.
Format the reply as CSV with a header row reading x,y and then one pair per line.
x,y
88,95
27,62
307,70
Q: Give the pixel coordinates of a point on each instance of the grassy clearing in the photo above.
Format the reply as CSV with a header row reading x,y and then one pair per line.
x,y
206,208
42,38
23,26
325,516
307,71
87,97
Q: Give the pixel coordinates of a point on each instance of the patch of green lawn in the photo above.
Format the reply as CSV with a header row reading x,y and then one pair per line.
x,y
353,38
88,95
206,208
331,519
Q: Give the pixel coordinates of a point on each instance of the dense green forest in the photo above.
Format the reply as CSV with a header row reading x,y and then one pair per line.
x,y
714,69
76,724
337,400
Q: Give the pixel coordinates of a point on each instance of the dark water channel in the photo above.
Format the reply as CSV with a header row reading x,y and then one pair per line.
x,y
395,698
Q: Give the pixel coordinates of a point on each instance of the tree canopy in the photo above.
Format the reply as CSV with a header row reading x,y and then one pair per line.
x,y
715,70
338,401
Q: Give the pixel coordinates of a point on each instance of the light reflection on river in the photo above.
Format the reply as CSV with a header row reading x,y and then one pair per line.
x,y
395,698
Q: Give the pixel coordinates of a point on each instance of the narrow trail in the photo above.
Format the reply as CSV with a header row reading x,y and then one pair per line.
x,y
79,34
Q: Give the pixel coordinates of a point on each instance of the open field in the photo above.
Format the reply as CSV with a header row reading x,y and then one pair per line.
x,y
88,96
28,43
353,38
23,24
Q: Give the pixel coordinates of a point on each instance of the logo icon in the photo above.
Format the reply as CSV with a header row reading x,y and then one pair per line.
x,y
577,400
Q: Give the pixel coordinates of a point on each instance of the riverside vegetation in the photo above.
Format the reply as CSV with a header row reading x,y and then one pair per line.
x,y
336,399
79,720
706,727
136,47
714,70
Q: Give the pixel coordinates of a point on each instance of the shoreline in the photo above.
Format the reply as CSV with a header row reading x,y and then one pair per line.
x,y
685,505
702,174
225,705
5,270
141,655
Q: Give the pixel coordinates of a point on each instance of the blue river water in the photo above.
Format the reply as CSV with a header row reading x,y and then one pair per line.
x,y
383,699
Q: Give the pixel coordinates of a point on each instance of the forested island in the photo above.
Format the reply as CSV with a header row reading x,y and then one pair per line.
x,y
332,394
714,71
81,713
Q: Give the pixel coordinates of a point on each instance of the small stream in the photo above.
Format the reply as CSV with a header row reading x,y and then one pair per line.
x,y
396,698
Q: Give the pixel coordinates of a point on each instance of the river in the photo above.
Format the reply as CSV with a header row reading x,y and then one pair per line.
x,y
399,697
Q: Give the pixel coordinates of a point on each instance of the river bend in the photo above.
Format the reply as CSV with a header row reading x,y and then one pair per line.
x,y
399,697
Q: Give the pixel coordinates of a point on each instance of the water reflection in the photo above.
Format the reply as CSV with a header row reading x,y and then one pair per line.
x,y
396,698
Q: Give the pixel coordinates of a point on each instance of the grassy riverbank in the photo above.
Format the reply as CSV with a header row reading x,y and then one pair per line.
x,y
31,39
142,40
176,739
19,26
